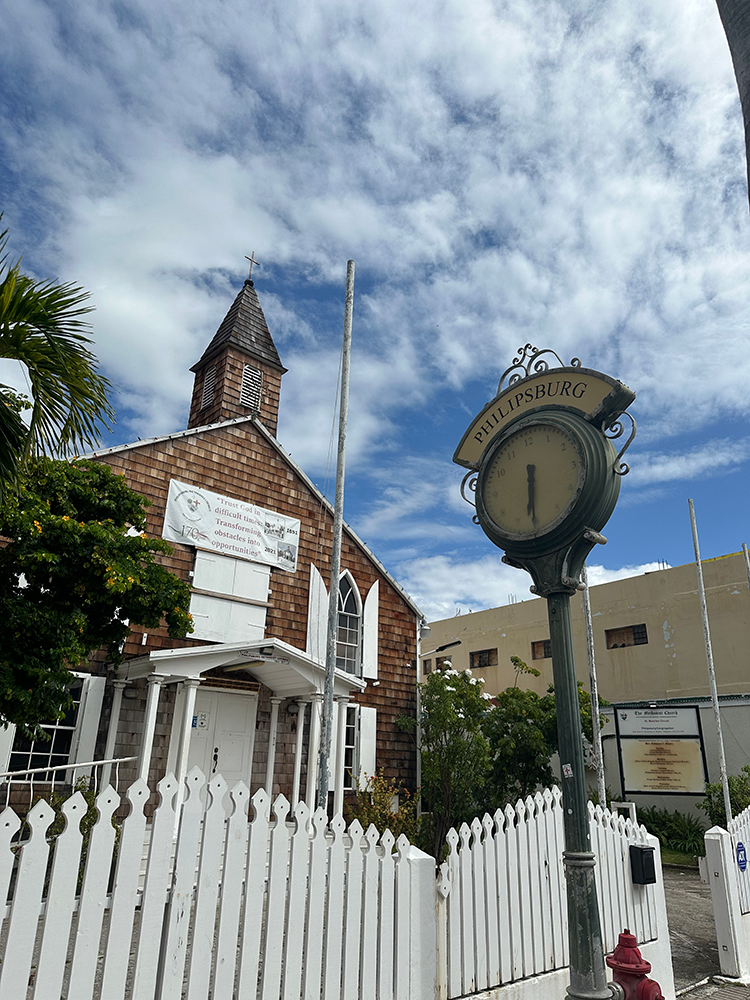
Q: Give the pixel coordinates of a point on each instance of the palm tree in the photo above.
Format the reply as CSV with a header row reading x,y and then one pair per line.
x,y
41,326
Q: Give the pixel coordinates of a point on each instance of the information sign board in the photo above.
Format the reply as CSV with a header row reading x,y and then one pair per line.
x,y
661,749
658,721
663,765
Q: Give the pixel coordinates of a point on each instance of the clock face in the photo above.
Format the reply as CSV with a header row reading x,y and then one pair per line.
x,y
531,480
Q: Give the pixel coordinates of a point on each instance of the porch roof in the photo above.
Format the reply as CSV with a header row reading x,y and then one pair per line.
x,y
289,672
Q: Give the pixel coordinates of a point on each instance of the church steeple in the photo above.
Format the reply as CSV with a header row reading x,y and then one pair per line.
x,y
240,371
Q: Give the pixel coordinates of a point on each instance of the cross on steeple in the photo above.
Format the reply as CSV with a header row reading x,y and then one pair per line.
x,y
252,260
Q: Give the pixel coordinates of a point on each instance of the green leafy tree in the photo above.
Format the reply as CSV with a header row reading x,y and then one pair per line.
x,y
739,797
521,729
76,568
42,326
455,752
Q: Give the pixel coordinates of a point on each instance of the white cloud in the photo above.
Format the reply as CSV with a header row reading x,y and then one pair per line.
x,y
569,175
600,574
713,458
444,586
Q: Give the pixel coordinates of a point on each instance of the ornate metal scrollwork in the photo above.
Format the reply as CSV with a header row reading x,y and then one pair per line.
x,y
614,431
530,361
472,484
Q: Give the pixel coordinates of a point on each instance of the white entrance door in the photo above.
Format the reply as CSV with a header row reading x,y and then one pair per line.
x,y
223,734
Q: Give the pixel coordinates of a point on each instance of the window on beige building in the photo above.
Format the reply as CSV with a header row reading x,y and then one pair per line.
x,y
426,666
483,658
630,635
541,650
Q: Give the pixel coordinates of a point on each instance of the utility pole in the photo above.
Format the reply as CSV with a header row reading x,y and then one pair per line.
x,y
338,523
595,720
710,663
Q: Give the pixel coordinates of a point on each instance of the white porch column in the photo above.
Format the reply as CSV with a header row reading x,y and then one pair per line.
x,y
175,731
190,686
302,702
272,736
338,774
114,721
155,682
313,749
251,749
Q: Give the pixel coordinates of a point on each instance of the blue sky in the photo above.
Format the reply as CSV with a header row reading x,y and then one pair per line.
x,y
568,173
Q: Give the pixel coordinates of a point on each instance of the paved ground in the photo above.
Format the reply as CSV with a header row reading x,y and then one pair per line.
x,y
695,956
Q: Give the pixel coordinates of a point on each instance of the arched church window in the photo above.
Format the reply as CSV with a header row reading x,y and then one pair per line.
x,y
348,639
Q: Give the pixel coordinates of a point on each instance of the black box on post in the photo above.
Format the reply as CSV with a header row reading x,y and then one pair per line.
x,y
642,864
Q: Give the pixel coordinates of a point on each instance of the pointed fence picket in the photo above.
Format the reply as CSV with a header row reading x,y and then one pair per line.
x,y
285,904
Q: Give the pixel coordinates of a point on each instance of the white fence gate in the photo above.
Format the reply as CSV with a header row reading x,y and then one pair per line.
x,y
729,875
271,907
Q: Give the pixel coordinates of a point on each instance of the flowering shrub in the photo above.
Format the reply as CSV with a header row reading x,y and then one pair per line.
x,y
387,805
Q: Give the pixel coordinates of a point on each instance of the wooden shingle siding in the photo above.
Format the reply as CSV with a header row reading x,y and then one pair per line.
x,y
239,461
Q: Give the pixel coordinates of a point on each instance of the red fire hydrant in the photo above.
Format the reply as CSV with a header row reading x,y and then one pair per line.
x,y
630,970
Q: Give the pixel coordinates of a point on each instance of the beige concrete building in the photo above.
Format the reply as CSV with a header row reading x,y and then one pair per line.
x,y
650,657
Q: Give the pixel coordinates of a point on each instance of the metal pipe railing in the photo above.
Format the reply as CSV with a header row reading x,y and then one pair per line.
x,y
66,767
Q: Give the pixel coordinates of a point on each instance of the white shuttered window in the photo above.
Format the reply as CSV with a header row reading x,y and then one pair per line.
x,y
218,618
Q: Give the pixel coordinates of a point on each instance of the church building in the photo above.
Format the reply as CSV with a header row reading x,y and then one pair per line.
x,y
243,695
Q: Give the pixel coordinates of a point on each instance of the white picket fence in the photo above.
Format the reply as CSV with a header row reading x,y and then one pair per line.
x,y
505,911
272,906
728,864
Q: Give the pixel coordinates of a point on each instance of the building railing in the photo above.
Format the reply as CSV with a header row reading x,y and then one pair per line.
x,y
19,777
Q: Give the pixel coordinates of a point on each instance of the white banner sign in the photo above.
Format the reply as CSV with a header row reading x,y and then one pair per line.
x,y
658,721
195,516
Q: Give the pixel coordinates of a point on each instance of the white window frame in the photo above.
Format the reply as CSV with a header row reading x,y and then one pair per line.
x,y
83,742
362,752
357,672
351,748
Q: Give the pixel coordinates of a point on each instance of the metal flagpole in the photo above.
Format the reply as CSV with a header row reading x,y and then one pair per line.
x,y
338,521
747,562
595,720
711,671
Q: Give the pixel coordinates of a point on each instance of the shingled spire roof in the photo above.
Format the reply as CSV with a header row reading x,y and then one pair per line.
x,y
245,327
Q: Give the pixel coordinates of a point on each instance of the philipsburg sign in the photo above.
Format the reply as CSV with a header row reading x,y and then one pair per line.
x,y
545,477
587,392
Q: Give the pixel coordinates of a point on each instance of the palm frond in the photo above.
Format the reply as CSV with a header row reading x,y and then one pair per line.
x,y
42,325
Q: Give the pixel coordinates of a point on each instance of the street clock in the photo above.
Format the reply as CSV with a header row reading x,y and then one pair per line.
x,y
545,477
544,469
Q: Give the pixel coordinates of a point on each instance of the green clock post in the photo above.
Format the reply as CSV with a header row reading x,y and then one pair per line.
x,y
546,477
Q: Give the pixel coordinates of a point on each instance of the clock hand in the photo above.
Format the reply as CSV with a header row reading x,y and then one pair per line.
x,y
530,507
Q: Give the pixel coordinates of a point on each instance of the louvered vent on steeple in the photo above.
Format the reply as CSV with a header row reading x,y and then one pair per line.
x,y
209,384
252,386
